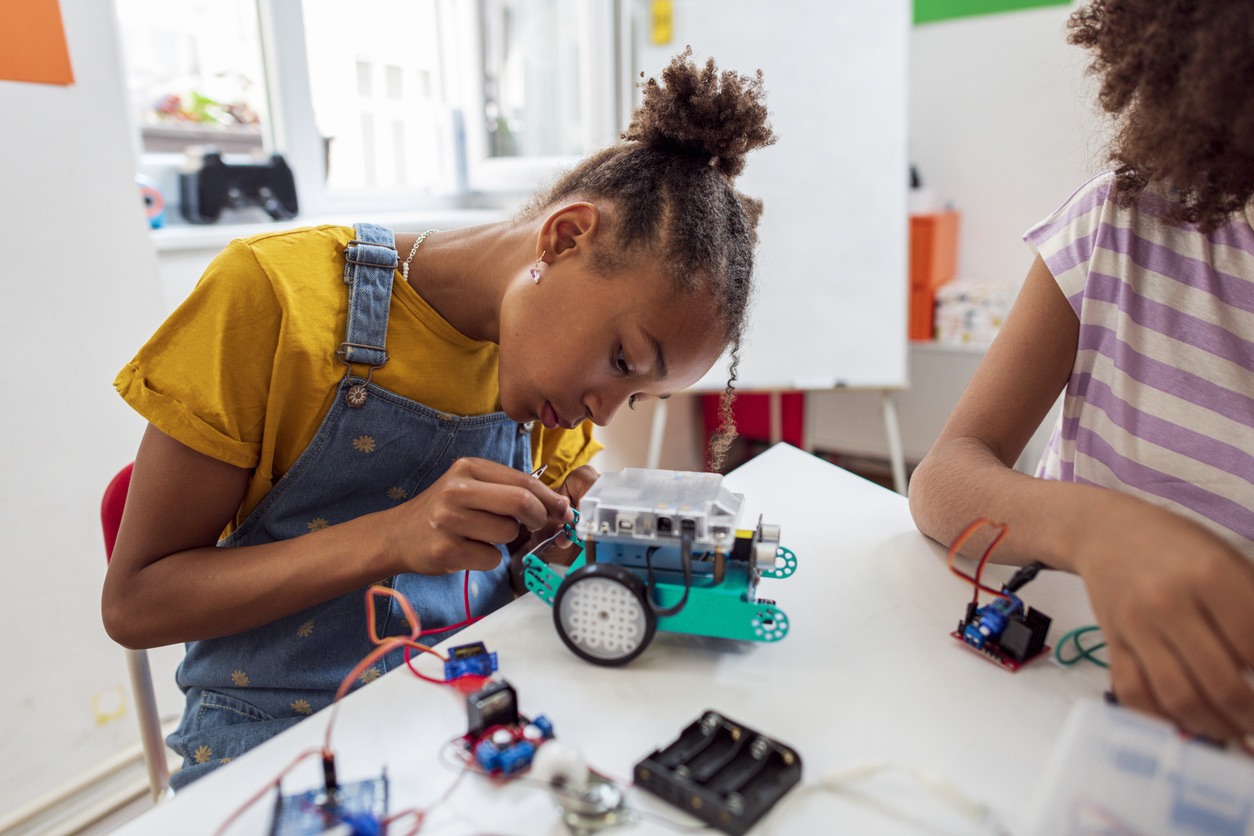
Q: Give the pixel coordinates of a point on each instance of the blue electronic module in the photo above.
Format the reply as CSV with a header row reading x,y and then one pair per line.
x,y
469,660
356,808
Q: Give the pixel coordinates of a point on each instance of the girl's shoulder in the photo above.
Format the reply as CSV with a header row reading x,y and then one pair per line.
x,y
305,240
1091,196
288,256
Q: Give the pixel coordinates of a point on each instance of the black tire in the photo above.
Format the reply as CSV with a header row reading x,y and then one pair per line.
x,y
602,613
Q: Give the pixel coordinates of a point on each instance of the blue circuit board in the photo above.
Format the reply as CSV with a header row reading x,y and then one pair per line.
x,y
357,808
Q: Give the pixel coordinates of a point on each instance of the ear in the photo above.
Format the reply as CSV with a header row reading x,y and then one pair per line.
x,y
568,230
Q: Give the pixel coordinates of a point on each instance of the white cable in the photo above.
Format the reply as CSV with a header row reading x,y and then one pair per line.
x,y
841,783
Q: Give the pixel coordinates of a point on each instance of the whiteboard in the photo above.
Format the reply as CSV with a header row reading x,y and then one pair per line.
x,y
831,268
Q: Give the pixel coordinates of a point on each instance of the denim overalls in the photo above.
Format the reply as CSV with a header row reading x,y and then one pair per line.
x,y
246,688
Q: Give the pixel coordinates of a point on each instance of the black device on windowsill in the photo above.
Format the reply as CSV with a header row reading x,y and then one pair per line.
x,y
213,184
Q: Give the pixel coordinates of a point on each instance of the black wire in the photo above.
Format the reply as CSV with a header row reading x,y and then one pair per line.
x,y
1024,576
685,557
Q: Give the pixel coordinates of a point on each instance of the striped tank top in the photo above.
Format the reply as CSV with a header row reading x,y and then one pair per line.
x,y
1160,402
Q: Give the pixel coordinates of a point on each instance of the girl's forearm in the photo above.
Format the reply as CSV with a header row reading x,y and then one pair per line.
x,y
1049,521
208,592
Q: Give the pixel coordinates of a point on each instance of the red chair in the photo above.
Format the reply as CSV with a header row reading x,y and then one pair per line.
x,y
111,507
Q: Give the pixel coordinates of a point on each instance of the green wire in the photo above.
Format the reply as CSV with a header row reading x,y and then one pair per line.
x,y
1083,652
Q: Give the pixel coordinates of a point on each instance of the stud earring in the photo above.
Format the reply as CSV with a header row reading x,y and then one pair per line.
x,y
535,268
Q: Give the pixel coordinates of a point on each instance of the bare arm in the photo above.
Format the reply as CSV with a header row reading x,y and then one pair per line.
x,y
1176,602
969,471
168,583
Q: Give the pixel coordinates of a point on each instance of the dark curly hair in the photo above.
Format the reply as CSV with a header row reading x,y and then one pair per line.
x,y
1178,75
669,183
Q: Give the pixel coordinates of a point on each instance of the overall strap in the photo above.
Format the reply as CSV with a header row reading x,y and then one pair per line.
x,y
369,266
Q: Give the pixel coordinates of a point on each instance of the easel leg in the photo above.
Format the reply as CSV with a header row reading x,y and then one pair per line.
x,y
777,417
656,434
896,456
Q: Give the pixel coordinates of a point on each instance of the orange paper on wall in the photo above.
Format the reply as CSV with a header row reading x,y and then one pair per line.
x,y
32,43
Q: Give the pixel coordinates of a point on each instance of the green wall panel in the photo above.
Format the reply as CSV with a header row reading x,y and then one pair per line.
x,y
930,11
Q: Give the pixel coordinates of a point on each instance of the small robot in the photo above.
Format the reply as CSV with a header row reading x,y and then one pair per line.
x,y
661,551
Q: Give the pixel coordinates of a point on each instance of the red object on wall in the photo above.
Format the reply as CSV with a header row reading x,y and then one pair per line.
x,y
752,414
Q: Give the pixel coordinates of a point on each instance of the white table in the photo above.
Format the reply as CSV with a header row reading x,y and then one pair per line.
x,y
868,673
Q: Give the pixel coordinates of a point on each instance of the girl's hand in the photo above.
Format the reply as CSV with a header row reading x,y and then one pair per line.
x,y
1176,606
459,521
576,484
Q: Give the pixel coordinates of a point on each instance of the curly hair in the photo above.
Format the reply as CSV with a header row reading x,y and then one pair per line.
x,y
670,183
1178,76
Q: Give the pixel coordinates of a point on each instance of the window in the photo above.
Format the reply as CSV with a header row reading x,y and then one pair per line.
x,y
376,84
194,73
397,109
539,85
532,80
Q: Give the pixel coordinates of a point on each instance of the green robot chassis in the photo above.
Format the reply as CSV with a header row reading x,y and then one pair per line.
x,y
661,551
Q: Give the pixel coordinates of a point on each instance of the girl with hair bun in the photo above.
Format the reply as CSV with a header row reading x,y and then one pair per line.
x,y
332,405
1139,309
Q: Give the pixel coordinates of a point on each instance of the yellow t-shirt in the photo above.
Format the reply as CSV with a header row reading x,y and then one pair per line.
x,y
245,369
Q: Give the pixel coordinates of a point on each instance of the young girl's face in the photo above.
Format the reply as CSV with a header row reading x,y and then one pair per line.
x,y
577,346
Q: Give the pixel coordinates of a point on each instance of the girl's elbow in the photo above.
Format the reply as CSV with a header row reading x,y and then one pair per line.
x,y
919,495
121,621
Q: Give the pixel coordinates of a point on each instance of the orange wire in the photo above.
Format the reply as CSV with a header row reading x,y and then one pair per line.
x,y
382,648
962,538
406,608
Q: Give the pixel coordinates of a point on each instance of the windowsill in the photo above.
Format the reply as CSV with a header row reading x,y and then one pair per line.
x,y
215,236
933,347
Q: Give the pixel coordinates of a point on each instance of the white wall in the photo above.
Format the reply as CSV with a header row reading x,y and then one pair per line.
x,y
1003,123
80,294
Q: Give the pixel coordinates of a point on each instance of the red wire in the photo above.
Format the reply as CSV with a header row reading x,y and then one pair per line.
x,y
469,618
466,683
420,813
274,782
957,544
383,646
419,673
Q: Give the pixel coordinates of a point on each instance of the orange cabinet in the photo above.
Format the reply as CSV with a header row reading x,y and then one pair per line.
x,y
933,261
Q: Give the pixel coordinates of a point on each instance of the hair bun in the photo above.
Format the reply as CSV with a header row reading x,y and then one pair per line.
x,y
717,117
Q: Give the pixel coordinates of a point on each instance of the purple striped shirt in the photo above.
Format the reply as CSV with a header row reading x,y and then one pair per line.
x,y
1160,403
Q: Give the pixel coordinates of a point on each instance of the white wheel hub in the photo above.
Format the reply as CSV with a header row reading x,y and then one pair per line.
x,y
603,618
